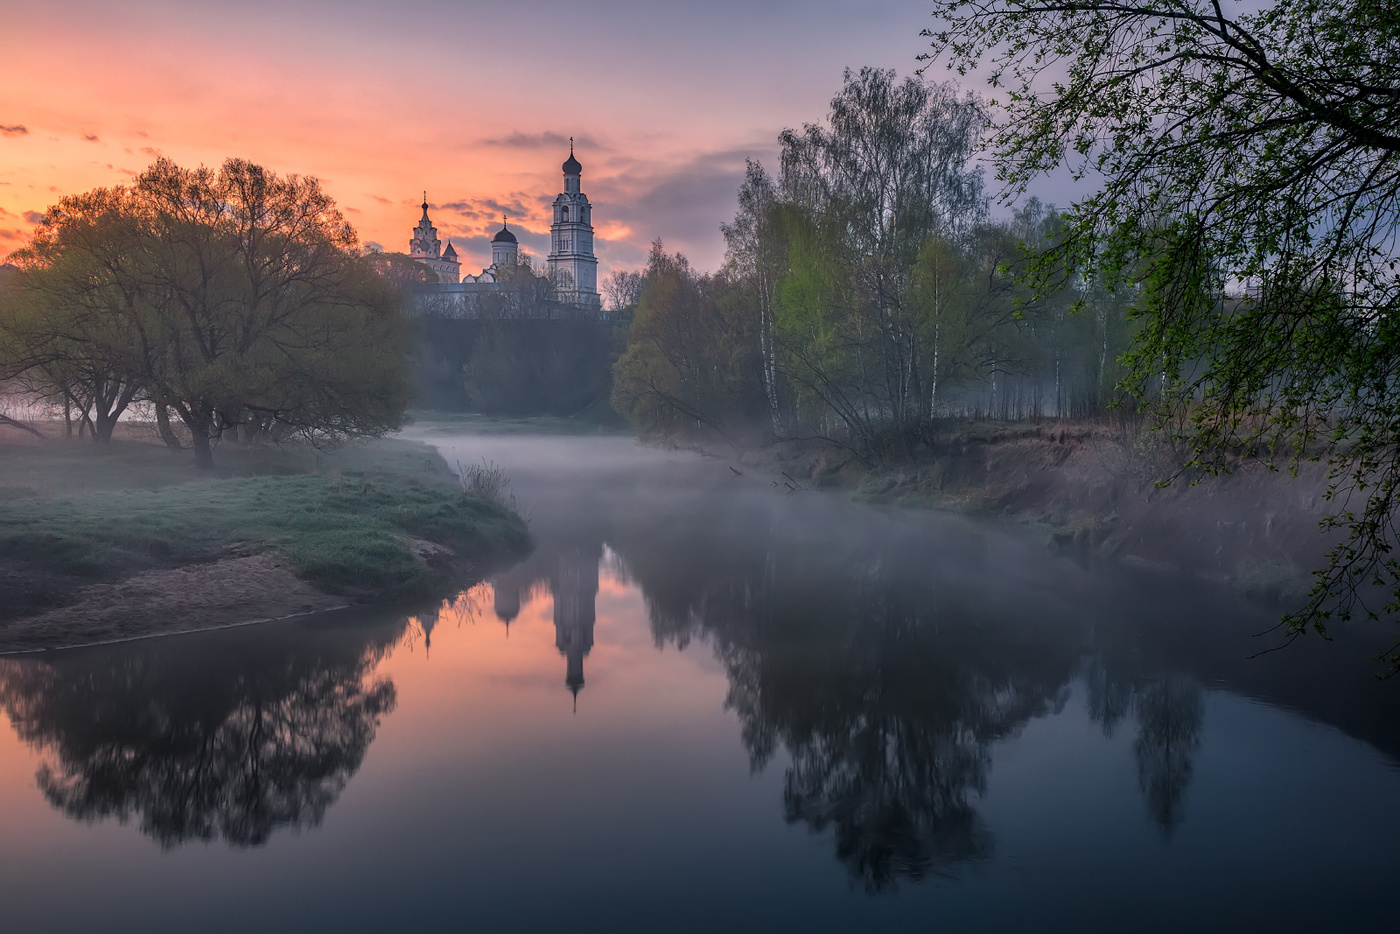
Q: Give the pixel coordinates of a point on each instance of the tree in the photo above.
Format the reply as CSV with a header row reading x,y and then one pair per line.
x,y
235,299
1262,148
622,290
62,343
689,364
401,270
756,253
892,169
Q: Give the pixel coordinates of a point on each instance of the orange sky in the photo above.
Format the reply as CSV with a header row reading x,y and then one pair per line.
x,y
472,101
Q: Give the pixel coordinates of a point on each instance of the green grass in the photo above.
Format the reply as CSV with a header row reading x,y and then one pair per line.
x,y
61,468
349,529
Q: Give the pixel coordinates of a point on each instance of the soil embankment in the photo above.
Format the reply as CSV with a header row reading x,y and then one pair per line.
x,y
228,592
1094,492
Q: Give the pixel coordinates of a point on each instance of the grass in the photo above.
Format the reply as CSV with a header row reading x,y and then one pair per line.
x,y
368,521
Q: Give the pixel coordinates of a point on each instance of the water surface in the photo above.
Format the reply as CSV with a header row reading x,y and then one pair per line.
x,y
706,703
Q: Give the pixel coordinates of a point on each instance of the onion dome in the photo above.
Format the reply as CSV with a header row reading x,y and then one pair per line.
x,y
503,235
573,166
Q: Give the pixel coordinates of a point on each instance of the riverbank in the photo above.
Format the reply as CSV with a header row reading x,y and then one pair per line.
x,y
1092,491
100,543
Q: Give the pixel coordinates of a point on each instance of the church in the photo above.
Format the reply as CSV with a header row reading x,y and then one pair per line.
x,y
570,267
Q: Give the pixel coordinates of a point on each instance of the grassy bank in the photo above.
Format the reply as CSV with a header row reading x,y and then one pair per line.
x,y
375,522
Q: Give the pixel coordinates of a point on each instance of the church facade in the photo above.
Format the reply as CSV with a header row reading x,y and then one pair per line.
x,y
571,266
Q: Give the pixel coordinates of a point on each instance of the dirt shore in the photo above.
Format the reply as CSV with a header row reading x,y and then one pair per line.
x,y
1093,491
215,595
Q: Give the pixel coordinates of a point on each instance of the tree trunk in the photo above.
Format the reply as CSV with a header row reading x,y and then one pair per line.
x,y
202,428
106,424
203,451
167,434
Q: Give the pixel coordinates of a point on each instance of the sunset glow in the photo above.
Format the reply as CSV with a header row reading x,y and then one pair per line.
x,y
473,102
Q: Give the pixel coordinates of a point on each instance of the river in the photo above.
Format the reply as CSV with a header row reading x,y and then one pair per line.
x,y
709,702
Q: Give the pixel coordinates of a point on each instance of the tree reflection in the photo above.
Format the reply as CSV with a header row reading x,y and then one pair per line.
x,y
226,737
1169,713
884,690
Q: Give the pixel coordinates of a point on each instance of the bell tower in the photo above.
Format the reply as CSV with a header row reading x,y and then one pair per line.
x,y
571,264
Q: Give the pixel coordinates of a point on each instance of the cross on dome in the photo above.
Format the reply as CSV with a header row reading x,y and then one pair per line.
x,y
573,166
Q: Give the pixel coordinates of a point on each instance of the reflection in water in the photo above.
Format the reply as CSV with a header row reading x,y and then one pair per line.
x,y
570,571
885,691
1169,732
885,685
877,668
223,737
1169,714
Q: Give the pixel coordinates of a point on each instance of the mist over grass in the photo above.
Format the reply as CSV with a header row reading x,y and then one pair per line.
x,y
374,522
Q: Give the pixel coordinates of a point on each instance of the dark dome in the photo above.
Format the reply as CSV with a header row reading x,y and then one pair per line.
x,y
503,236
572,167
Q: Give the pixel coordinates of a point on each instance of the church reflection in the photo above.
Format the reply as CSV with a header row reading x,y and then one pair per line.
x,y
569,571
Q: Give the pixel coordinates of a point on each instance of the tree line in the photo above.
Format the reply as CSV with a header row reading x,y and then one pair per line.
x,y
867,293
233,303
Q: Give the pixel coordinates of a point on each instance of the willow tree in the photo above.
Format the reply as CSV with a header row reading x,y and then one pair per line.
x,y
1256,148
235,299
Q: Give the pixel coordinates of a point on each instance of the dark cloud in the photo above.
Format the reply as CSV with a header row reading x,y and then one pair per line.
x,y
546,140
34,217
487,209
90,137
13,129
682,204
151,151
380,200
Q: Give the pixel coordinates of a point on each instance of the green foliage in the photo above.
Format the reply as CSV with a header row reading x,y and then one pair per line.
x,y
866,295
690,364
1259,148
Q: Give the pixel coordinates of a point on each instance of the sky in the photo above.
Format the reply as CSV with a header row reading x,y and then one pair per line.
x,y
473,102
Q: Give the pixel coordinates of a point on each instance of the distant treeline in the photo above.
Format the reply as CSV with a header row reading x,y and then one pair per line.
x,y
867,293
516,367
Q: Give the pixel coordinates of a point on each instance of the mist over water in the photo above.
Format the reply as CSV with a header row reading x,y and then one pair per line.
x,y
707,703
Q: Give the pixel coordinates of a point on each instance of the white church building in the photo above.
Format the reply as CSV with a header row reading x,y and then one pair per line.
x,y
571,266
